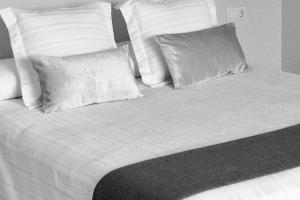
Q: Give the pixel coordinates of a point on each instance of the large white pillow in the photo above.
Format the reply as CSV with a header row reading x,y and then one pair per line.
x,y
9,80
147,18
56,32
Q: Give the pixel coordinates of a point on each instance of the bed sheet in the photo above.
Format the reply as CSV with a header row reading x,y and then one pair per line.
x,y
62,156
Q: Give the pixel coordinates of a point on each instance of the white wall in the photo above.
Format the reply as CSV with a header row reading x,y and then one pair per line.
x,y
259,32
291,36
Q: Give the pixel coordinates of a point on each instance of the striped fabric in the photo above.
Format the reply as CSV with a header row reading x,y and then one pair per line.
x,y
147,18
62,156
57,32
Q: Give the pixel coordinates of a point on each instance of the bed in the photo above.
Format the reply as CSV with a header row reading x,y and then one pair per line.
x,y
51,151
63,155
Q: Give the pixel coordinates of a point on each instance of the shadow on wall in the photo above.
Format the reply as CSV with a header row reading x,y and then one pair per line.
x,y
5,49
120,31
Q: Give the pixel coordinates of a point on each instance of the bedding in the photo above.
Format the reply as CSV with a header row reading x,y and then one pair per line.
x,y
202,55
9,80
187,173
55,32
147,18
80,80
135,67
64,155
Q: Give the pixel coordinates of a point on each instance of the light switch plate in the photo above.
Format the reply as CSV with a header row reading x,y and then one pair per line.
x,y
235,14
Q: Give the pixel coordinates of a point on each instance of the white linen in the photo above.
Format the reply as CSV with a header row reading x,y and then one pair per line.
x,y
62,156
56,32
9,79
147,18
134,65
81,80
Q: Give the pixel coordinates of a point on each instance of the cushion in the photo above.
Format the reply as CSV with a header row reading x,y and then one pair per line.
x,y
135,68
9,80
56,32
202,55
80,80
145,19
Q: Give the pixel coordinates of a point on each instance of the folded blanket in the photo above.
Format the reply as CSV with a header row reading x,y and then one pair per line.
x,y
177,176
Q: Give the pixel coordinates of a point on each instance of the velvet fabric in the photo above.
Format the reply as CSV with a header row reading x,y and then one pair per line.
x,y
182,175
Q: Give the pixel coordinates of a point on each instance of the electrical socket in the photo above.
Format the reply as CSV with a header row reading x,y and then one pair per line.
x,y
235,14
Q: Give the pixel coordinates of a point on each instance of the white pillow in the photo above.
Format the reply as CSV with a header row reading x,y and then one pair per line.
x,y
147,18
135,67
9,80
56,32
80,80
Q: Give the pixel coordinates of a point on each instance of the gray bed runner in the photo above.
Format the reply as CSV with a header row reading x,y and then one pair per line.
x,y
184,174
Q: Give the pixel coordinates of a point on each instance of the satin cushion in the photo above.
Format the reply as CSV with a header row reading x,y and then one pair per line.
x,y
80,80
55,32
202,55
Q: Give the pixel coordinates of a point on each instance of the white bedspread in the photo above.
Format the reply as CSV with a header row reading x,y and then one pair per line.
x,y
62,156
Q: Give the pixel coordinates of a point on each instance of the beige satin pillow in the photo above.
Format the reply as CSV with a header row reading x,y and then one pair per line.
x,y
202,55
80,80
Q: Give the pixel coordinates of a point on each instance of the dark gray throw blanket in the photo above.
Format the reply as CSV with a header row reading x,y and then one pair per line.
x,y
181,175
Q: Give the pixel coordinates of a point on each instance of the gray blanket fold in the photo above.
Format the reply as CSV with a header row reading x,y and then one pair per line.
x,y
184,174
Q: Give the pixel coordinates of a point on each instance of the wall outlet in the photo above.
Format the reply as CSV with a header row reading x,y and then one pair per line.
x,y
235,14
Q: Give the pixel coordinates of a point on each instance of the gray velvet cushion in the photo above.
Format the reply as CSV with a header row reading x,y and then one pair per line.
x,y
202,55
80,80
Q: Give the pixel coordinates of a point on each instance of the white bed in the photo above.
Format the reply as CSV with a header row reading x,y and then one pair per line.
x,y
62,156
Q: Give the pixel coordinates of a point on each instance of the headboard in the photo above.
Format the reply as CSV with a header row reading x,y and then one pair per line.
x,y
121,33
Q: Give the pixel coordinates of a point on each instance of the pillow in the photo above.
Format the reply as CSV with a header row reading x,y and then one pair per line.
x,y
135,67
57,32
9,80
147,18
199,56
80,80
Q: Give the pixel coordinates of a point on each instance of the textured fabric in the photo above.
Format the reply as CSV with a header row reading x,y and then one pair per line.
x,y
184,174
10,86
59,32
147,18
202,55
80,80
134,65
63,155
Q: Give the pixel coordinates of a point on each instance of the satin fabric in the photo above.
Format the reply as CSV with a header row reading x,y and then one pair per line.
x,y
202,55
148,18
76,81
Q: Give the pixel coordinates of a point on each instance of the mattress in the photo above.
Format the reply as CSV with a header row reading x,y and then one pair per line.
x,y
63,155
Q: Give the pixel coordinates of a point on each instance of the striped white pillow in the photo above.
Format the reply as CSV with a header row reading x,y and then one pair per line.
x,y
147,18
57,32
